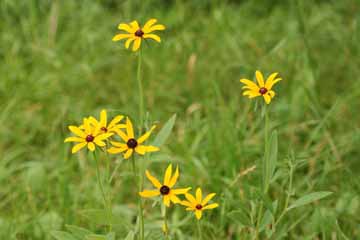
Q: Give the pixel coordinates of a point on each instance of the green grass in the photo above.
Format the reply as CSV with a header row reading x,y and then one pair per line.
x,y
58,64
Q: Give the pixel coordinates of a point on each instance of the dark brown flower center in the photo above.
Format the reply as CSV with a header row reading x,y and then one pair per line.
x,y
139,33
104,129
263,90
199,207
164,190
89,138
132,143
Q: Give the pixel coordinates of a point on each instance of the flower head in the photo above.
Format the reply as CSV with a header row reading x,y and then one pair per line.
x,y
166,189
131,143
112,127
262,88
136,34
89,135
197,203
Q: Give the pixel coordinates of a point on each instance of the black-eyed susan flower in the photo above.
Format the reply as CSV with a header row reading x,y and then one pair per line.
x,y
89,135
262,88
136,34
131,144
166,190
197,203
112,127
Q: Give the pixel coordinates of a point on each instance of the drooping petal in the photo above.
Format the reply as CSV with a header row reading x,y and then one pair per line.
x,y
210,206
78,146
198,195
167,176
198,214
74,139
250,84
115,150
103,118
174,198
137,44
270,79
260,78
121,36
122,134
166,200
149,193
152,36
77,131
129,128
272,93
208,198
191,198
148,24
126,27
129,41
146,135
115,121
91,146
128,153
153,180
267,98
174,178
156,27
180,190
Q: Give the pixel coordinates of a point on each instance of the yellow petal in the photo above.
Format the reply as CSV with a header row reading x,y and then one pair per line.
x,y
153,180
210,206
122,134
148,24
120,145
93,121
121,36
137,44
272,93
77,131
198,214
78,146
99,143
115,150
156,27
115,121
128,153
135,25
270,85
152,36
191,198
129,41
251,94
166,200
103,118
260,78
250,84
270,79
91,146
149,193
74,139
267,98
140,149
103,136
180,190
174,178
167,176
146,135
129,128
174,198
151,148
187,204
198,195
126,27
208,198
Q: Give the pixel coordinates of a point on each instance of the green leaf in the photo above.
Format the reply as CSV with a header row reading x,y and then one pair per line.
x,y
240,216
78,232
130,236
165,131
308,199
109,236
97,216
266,220
270,159
60,235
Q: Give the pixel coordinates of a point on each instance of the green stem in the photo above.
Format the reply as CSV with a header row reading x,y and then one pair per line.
x,y
138,183
199,229
165,226
107,207
141,93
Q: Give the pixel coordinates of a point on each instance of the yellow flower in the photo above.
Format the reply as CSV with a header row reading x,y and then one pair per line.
x,y
262,89
166,189
198,204
136,34
103,125
131,144
89,136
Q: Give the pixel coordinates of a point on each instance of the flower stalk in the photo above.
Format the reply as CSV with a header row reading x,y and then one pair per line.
x,y
140,86
140,207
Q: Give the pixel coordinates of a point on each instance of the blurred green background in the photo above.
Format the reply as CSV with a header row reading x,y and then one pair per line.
x,y
58,65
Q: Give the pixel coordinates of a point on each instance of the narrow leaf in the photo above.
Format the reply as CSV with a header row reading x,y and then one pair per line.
x,y
60,235
165,131
312,197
